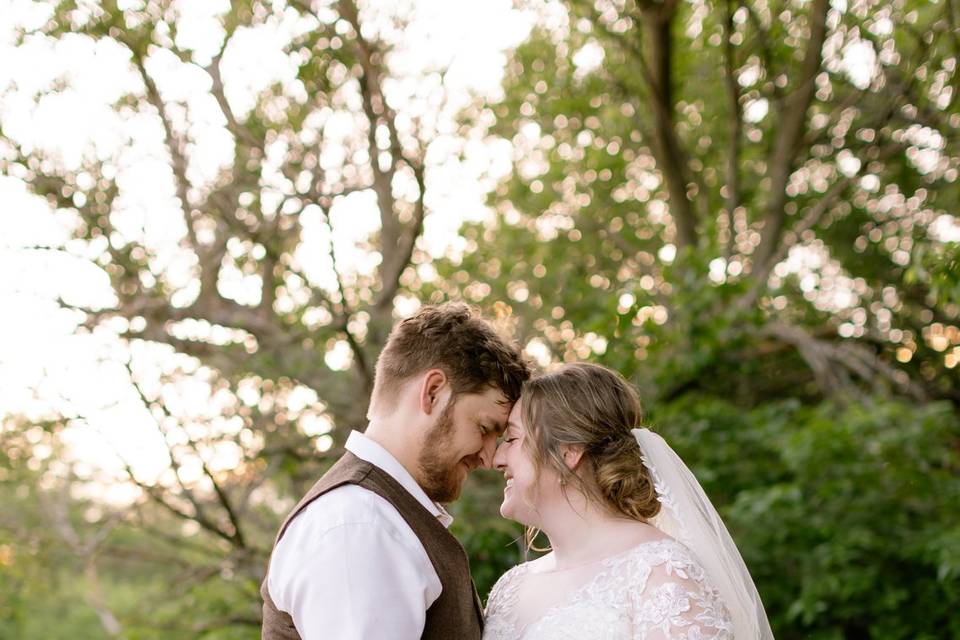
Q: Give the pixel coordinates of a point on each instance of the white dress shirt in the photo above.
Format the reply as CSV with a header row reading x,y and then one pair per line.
x,y
349,566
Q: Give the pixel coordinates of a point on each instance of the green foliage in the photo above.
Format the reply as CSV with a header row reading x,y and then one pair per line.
x,y
586,220
937,267
842,513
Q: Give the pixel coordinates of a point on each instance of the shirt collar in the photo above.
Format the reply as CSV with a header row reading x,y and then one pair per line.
x,y
366,449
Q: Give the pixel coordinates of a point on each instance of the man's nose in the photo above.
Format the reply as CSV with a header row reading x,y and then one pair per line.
x,y
488,453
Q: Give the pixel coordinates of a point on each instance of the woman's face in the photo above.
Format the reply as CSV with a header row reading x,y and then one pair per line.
x,y
524,493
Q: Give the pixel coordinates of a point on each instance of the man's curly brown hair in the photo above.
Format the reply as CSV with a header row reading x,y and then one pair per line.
x,y
455,339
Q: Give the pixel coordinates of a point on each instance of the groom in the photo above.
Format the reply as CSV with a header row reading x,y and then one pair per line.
x,y
366,553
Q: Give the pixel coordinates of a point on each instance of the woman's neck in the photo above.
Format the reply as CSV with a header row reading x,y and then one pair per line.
x,y
587,534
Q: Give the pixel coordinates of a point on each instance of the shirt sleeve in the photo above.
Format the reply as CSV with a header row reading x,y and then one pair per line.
x,y
360,580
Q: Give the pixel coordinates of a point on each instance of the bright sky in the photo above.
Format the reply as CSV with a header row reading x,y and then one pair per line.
x,y
43,365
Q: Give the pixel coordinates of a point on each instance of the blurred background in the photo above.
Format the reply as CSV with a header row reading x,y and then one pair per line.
x,y
214,211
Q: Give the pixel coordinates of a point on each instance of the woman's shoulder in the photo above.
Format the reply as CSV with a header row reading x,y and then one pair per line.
x,y
664,549
507,583
668,560
663,543
641,542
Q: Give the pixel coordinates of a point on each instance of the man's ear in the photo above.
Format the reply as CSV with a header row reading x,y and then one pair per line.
x,y
572,454
431,389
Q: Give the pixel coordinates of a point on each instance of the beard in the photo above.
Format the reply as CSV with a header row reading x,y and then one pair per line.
x,y
440,475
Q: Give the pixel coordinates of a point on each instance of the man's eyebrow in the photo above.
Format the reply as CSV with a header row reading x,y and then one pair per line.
x,y
494,425
500,427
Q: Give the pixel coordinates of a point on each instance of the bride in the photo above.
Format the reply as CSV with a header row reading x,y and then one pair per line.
x,y
637,550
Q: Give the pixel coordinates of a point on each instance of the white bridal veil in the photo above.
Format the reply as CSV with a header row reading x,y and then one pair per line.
x,y
688,515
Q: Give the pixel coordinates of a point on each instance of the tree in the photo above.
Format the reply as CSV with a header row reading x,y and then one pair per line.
x,y
733,184
747,207
289,167
229,284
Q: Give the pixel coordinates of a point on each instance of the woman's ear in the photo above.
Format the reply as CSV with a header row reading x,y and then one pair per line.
x,y
572,454
431,389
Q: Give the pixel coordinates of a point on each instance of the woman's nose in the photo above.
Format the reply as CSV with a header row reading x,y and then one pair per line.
x,y
499,458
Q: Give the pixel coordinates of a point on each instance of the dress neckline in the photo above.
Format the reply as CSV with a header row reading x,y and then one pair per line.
x,y
571,596
613,556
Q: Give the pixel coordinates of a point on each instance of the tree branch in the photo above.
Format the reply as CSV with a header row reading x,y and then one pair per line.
x,y
832,362
390,273
375,109
658,39
793,119
735,126
174,146
762,272
654,58
235,537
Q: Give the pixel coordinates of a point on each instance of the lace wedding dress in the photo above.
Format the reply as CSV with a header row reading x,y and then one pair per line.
x,y
654,591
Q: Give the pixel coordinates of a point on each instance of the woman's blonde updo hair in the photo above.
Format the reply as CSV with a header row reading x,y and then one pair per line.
x,y
592,407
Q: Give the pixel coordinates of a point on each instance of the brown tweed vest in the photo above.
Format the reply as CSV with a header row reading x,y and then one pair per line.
x,y
456,614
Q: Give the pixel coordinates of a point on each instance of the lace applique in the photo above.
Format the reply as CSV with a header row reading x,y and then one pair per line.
x,y
655,591
669,526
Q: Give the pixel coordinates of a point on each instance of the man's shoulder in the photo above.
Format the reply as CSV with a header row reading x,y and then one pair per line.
x,y
346,505
344,518
352,502
346,526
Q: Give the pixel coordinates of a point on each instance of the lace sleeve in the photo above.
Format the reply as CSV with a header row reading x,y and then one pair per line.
x,y
678,603
496,596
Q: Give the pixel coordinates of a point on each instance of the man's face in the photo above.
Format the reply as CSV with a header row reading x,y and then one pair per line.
x,y
463,438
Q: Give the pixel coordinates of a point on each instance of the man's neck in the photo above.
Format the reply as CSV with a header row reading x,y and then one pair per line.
x,y
387,435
